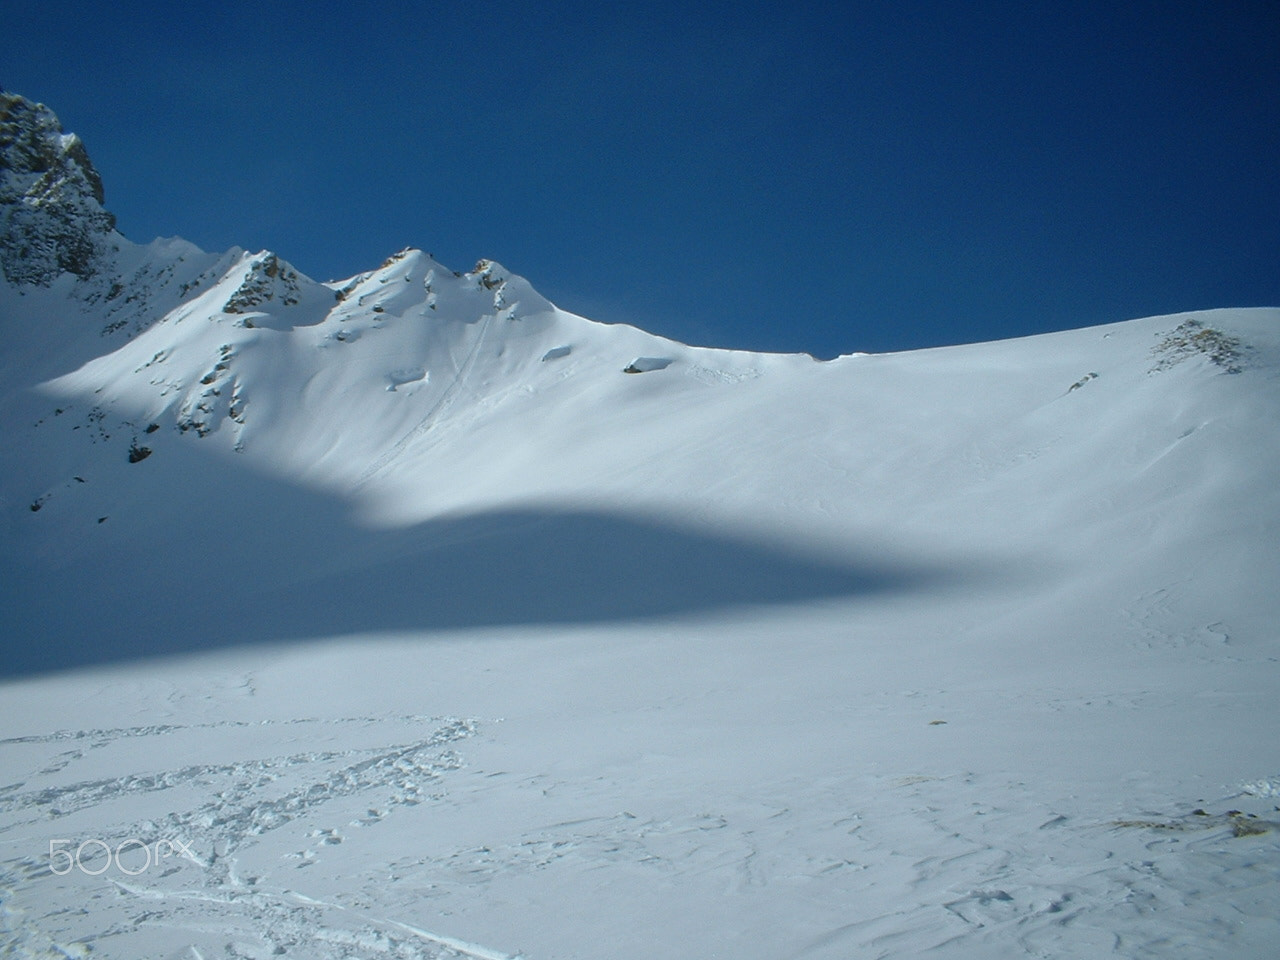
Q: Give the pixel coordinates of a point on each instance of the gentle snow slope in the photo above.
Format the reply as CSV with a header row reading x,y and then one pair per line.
x,y
489,646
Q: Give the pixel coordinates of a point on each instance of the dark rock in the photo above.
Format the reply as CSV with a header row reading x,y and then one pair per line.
x,y
51,216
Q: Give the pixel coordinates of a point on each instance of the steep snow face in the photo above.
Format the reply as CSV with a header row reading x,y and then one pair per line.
x,y
336,382
51,216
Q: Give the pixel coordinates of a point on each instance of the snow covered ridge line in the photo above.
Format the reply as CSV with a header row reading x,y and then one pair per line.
x,y
52,223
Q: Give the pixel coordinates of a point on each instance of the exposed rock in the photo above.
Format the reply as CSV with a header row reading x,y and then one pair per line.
x,y
270,278
1192,337
51,216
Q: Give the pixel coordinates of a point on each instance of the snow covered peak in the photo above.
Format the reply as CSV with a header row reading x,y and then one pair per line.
x,y
52,219
267,278
509,289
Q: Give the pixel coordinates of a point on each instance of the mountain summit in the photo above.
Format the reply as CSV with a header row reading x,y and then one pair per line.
x,y
52,218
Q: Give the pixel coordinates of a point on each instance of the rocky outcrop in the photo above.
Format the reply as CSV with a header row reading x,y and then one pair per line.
x,y
52,219
269,278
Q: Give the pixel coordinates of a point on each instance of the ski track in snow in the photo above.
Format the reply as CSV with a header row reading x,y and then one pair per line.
x,y
895,866
921,863
220,813
437,410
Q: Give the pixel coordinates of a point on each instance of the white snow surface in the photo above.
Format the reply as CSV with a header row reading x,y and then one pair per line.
x,y
429,632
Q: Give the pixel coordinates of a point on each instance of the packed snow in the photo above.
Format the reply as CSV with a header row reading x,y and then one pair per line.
x,y
423,630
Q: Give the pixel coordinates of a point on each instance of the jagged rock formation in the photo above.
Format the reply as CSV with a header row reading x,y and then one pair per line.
x,y
52,218
269,279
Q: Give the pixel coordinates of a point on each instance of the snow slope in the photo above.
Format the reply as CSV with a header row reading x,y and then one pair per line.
x,y
435,621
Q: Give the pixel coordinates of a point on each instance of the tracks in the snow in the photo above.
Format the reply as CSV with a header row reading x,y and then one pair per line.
x,y
185,849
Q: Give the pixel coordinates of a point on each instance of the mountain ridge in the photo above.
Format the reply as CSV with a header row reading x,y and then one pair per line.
x,y
52,218
242,351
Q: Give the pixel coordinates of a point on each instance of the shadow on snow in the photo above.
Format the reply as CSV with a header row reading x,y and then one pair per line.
x,y
201,556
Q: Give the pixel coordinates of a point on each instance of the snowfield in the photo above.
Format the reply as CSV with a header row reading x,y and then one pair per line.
x,y
409,616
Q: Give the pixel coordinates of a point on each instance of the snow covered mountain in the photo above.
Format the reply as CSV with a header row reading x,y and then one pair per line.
x,y
431,620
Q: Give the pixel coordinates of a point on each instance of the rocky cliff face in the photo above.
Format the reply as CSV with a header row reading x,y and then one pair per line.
x,y
52,219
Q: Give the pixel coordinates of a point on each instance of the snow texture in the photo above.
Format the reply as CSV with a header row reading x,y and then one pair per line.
x,y
421,631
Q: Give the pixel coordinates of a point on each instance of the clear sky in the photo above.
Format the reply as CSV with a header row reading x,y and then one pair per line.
x,y
802,176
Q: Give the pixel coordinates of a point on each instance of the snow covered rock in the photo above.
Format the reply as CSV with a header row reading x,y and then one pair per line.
x,y
647,364
52,218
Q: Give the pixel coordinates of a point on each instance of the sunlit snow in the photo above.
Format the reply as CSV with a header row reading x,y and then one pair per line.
x,y
424,630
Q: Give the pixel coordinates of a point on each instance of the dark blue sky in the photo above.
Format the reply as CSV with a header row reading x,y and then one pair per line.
x,y
822,177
